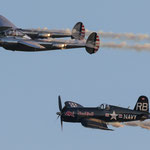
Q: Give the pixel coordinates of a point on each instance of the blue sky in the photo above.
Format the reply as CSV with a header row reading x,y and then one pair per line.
x,y
31,82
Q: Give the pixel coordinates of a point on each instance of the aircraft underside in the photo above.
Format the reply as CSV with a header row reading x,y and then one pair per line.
x,y
20,47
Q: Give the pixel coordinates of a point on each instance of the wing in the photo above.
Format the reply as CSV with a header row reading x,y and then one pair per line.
x,y
95,123
70,104
31,44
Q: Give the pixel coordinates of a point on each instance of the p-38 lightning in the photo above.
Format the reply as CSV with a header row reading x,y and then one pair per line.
x,y
99,117
31,40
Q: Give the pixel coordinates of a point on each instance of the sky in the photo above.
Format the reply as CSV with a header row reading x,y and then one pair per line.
x,y
31,82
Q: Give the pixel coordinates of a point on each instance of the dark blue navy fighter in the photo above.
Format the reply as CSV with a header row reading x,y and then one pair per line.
x,y
99,117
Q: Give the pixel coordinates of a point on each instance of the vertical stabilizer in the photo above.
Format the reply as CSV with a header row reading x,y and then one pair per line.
x,y
5,23
142,104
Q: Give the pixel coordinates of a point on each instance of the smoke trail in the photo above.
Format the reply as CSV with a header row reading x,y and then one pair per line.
x,y
124,45
121,36
110,35
143,124
116,124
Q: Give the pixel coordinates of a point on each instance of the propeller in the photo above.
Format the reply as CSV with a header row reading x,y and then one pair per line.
x,y
60,113
59,103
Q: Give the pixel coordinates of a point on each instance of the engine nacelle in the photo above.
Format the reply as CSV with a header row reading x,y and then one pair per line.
x,y
44,35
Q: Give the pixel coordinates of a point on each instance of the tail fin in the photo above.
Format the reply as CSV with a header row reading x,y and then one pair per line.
x,y
92,43
5,23
78,31
142,104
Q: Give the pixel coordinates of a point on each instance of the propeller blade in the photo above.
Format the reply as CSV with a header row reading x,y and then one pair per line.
x,y
60,113
59,103
57,117
61,123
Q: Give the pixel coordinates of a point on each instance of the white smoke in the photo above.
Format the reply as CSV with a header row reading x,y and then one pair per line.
x,y
125,45
102,34
142,124
121,36
111,35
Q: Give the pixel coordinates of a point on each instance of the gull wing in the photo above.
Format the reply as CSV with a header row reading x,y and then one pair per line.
x,y
95,124
31,44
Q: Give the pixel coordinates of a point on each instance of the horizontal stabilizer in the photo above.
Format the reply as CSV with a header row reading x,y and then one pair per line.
x,y
31,44
95,124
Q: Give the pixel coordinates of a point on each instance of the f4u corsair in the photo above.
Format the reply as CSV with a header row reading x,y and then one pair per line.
x,y
31,40
99,117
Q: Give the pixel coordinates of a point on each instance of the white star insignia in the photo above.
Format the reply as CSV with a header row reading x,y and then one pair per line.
x,y
113,115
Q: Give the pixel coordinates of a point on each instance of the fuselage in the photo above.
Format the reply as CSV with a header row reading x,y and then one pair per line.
x,y
114,114
12,43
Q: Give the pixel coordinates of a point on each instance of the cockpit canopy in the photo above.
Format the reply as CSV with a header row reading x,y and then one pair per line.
x,y
104,106
13,32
